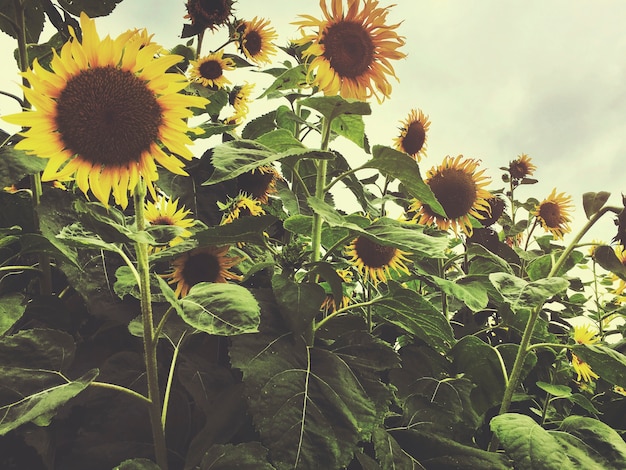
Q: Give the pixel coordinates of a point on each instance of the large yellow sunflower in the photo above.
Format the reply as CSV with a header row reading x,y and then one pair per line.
x,y
375,261
106,113
459,187
521,167
164,211
554,213
260,183
412,138
204,264
352,50
255,40
209,70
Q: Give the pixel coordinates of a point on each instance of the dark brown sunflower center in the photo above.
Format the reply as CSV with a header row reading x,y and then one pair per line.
x,y
163,220
455,190
257,184
414,139
550,212
201,267
108,116
211,69
372,254
349,48
253,43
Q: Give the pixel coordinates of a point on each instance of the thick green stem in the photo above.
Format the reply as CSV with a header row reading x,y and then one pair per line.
x,y
524,347
150,341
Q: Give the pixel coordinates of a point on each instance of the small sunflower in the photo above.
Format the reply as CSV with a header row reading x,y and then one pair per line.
x,y
260,183
164,211
241,206
412,138
583,334
106,113
329,304
496,209
620,253
255,40
209,13
352,50
583,370
204,264
239,98
554,213
521,167
209,70
459,187
375,261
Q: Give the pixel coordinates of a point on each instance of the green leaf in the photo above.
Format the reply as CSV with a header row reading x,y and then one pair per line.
x,y
35,243
608,363
352,128
528,444
333,106
541,266
280,140
246,229
468,289
212,128
299,224
290,79
92,8
482,261
76,235
33,16
244,456
137,464
16,164
411,311
399,165
221,309
561,391
604,440
593,202
298,302
12,307
522,295
481,363
605,256
390,454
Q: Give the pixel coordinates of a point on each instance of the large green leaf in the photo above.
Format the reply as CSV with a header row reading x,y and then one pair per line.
x,y
16,164
220,309
244,229
290,79
608,363
298,302
244,456
469,289
522,295
137,464
33,16
395,164
410,311
390,454
333,106
12,308
528,444
33,364
352,128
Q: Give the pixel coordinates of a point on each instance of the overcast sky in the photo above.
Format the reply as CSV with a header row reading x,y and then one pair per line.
x,y
497,78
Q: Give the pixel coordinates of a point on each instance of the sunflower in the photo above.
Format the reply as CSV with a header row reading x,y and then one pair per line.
x,y
329,304
204,264
553,213
375,261
620,253
352,50
209,13
241,206
106,113
209,71
260,183
239,98
412,138
164,211
459,188
521,167
583,334
255,40
496,209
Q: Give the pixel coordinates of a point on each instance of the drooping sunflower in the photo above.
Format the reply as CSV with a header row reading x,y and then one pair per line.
x,y
260,183
209,70
496,209
329,304
375,261
554,213
106,113
412,138
239,98
209,13
255,40
240,206
620,253
521,167
165,211
459,187
583,334
352,50
203,264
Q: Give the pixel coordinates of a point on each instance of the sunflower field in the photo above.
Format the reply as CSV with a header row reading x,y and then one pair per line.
x,y
182,286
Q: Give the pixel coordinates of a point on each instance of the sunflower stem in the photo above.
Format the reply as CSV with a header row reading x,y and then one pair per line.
x,y
525,347
150,341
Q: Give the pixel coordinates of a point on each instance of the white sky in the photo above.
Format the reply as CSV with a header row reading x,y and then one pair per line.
x,y
497,78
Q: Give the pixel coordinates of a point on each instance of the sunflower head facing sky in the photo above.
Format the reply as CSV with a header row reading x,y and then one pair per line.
x,y
255,38
554,213
107,113
164,211
459,187
412,138
209,13
203,264
350,51
375,261
209,70
521,167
